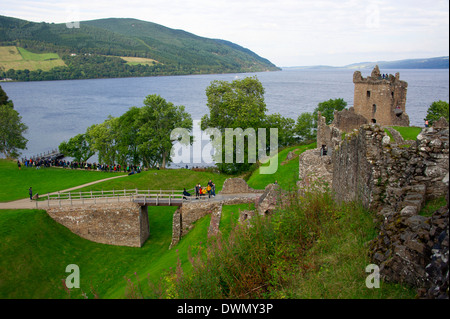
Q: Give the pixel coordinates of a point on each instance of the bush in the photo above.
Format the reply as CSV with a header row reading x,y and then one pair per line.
x,y
257,260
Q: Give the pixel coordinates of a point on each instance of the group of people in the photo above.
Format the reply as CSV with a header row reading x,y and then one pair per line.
x,y
209,190
38,163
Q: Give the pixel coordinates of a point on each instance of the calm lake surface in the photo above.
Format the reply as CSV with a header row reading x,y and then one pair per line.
x,y
55,111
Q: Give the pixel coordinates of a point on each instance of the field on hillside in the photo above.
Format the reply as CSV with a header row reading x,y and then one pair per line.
x,y
17,58
137,60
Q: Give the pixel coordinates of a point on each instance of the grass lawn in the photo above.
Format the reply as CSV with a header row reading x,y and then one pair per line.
x,y
15,183
286,174
162,179
408,132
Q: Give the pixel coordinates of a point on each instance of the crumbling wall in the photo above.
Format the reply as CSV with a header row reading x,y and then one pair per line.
x,y
185,216
328,135
367,166
237,186
395,181
347,120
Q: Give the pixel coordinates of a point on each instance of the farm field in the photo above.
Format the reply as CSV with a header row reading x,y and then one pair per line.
x,y
12,57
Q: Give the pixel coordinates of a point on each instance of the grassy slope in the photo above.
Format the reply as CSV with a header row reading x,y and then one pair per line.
x,y
15,183
35,251
17,58
162,179
286,175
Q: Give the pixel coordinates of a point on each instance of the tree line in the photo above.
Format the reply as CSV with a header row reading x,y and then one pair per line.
x,y
142,135
93,66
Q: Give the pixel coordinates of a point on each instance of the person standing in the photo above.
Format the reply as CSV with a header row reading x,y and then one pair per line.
x,y
213,190
208,188
30,192
197,190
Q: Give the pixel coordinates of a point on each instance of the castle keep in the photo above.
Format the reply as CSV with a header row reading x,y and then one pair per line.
x,y
381,99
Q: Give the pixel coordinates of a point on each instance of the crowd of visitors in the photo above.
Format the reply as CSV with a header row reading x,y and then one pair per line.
x,y
38,163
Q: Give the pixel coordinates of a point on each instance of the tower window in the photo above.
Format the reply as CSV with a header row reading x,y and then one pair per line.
x,y
374,108
368,93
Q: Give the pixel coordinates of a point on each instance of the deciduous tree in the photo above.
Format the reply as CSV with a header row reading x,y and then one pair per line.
x,y
327,109
156,120
236,105
437,110
11,132
77,147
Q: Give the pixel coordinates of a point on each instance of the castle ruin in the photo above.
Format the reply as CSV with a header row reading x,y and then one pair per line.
x,y
381,98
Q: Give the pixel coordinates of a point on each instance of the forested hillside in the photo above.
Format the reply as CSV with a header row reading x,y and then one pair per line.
x,y
97,49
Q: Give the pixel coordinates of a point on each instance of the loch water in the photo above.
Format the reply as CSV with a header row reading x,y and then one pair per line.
x,y
55,111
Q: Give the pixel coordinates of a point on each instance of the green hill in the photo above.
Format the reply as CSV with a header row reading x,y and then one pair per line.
x,y
94,50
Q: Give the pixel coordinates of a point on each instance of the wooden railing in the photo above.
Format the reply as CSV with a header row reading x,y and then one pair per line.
x,y
141,196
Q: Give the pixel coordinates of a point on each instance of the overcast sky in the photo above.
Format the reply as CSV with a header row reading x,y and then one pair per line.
x,y
287,32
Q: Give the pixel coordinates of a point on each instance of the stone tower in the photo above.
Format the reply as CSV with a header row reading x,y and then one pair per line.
x,y
381,99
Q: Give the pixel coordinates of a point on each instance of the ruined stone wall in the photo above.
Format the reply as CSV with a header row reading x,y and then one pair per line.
x,y
328,135
185,216
122,224
380,98
237,186
395,181
353,165
367,166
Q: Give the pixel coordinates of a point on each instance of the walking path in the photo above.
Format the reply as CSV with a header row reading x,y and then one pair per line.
x,y
26,203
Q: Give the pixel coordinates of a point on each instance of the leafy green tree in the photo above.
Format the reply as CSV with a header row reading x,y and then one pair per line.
x,y
437,110
285,126
77,147
102,139
236,105
4,99
327,108
11,132
306,126
156,120
127,137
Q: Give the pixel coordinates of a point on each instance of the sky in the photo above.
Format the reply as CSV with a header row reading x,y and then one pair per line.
x,y
287,32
